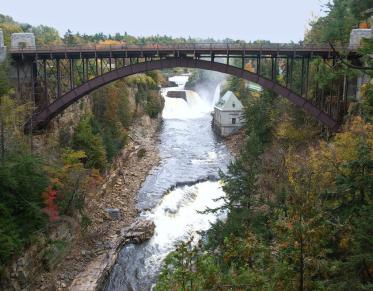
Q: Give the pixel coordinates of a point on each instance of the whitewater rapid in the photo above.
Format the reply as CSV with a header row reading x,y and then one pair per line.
x,y
173,195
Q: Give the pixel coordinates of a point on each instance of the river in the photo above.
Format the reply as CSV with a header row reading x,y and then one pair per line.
x,y
185,182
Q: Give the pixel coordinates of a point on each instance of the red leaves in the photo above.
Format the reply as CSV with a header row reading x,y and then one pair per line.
x,y
51,208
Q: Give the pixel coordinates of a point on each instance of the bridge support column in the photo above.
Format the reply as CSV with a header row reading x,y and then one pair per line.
x,y
356,36
22,73
2,47
22,40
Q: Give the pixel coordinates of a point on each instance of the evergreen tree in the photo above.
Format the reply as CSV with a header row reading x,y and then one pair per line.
x,y
84,139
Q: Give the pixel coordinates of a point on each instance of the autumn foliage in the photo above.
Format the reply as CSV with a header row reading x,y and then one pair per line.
x,y
51,208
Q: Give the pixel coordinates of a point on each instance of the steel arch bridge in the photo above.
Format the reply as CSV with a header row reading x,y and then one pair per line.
x,y
58,76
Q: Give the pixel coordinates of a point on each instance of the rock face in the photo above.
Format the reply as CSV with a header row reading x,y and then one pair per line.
x,y
177,94
119,191
139,231
97,272
113,213
43,253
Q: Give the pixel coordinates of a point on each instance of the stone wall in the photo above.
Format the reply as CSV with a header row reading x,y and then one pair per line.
x,y
2,47
356,37
22,40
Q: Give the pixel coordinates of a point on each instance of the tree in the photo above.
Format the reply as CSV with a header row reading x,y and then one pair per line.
x,y
46,35
302,232
84,139
359,7
22,182
51,208
335,26
69,39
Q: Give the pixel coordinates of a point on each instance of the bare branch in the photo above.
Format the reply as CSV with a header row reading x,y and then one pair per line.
x,y
341,59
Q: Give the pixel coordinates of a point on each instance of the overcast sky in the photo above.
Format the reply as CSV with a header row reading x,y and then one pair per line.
x,y
274,20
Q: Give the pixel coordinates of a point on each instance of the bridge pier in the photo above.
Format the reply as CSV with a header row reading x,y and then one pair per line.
x,y
21,40
2,47
356,37
23,74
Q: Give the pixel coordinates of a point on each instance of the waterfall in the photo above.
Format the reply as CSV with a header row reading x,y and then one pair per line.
x,y
177,108
217,94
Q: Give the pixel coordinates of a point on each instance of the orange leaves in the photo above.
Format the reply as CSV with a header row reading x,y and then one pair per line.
x,y
92,181
110,42
51,208
344,244
249,67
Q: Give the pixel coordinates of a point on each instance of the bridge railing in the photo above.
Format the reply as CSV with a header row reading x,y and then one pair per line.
x,y
175,47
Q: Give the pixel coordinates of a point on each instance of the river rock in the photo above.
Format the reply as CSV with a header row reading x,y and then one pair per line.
x,y
113,213
139,231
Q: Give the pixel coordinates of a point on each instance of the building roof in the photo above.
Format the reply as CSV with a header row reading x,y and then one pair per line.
x,y
229,101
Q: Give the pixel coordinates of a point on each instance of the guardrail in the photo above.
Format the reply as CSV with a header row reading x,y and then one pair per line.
x,y
179,47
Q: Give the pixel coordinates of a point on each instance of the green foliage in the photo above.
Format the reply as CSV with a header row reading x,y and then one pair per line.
x,y
359,7
54,253
22,182
180,273
46,35
187,268
8,28
300,216
92,144
154,104
113,137
113,112
4,81
239,87
335,26
313,233
85,222
141,153
240,182
354,182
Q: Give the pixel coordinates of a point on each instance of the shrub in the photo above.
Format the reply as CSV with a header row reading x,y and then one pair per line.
x,y
141,153
22,182
92,144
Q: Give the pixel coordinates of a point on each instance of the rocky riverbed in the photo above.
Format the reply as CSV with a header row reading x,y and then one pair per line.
x,y
235,142
111,209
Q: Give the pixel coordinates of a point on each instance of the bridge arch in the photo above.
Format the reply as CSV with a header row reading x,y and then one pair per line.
x,y
41,119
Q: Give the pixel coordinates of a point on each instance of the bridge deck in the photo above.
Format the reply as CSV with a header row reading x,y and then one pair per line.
x,y
156,50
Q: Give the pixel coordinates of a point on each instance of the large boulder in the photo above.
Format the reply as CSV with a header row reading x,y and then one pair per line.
x,y
139,231
113,213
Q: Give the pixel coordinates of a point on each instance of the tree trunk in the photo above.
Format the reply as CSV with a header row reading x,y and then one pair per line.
x,y
301,279
2,133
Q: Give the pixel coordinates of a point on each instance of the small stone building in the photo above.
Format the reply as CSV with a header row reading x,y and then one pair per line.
x,y
228,114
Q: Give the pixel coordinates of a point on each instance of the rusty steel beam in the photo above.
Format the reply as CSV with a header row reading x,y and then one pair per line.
x,y
41,119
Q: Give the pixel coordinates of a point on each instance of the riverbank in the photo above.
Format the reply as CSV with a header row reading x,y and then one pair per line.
x,y
92,252
235,142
